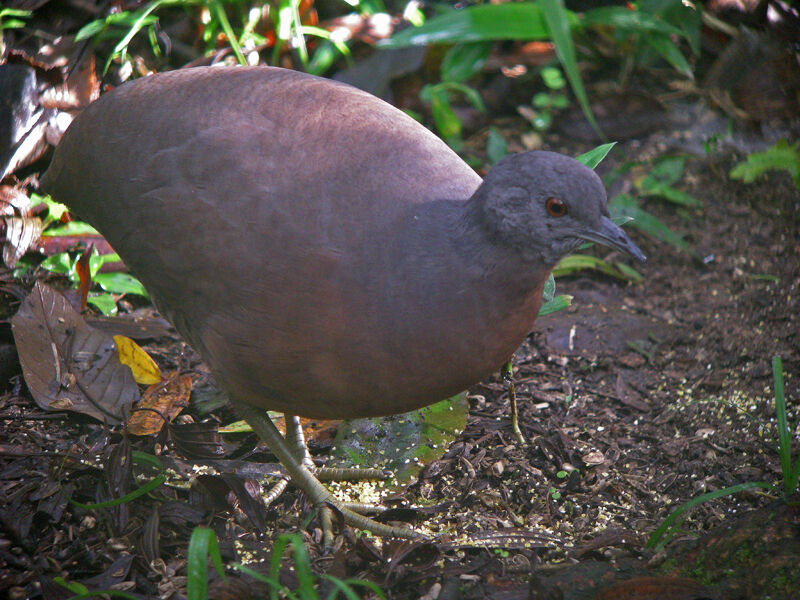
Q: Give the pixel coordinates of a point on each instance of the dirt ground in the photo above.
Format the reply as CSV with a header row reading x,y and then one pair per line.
x,y
636,399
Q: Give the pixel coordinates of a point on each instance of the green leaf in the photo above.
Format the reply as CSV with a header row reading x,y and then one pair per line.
x,y
120,283
462,61
667,49
558,24
781,156
592,158
656,541
626,206
60,263
631,21
579,262
401,443
666,192
549,291
444,117
140,491
669,169
72,228
485,22
553,78
202,545
496,146
105,303
73,586
555,304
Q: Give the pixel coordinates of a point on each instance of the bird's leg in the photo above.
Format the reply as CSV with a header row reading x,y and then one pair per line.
x,y
295,437
304,479
508,377
297,441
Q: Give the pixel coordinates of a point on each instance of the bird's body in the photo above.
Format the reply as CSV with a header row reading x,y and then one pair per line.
x,y
308,239
326,255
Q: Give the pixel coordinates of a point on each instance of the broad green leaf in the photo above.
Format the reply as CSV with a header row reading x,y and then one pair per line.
x,y
683,15
579,262
462,61
549,290
667,49
632,21
120,283
60,263
444,117
666,192
485,22
625,205
401,443
105,303
669,169
556,304
71,228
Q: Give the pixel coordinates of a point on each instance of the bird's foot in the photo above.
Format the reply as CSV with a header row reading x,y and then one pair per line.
x,y
293,454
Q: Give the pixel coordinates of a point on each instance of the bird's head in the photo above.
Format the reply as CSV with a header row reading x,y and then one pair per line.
x,y
546,204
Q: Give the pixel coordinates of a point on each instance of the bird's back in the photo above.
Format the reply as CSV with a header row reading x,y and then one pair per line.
x,y
250,202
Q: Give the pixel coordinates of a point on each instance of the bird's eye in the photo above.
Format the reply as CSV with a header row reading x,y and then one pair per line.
x,y
555,207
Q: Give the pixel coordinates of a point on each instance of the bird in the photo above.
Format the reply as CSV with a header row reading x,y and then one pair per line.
x,y
325,254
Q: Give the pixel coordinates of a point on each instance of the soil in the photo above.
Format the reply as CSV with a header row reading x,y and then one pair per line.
x,y
635,400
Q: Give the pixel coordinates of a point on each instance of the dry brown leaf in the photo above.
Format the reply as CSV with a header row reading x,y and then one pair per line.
x,y
67,364
161,402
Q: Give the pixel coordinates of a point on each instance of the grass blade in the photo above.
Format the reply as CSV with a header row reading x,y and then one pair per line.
x,y
667,529
558,25
202,544
594,157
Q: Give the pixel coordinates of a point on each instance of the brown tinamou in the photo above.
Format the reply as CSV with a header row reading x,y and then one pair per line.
x,y
325,254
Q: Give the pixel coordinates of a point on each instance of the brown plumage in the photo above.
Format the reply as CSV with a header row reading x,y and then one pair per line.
x,y
325,254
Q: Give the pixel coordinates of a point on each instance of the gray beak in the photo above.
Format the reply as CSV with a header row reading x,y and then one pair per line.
x,y
611,235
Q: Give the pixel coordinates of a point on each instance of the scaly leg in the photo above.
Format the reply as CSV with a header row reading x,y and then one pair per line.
x,y
304,479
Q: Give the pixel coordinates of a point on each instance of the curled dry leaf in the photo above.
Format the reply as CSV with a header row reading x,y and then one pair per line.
x,y
20,229
67,364
162,401
22,233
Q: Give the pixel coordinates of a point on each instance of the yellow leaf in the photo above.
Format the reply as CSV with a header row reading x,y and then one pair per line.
x,y
145,370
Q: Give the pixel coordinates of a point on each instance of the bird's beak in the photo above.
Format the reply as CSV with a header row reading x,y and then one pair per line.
x,y
611,235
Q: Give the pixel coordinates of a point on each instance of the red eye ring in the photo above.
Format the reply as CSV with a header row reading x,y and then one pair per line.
x,y
555,207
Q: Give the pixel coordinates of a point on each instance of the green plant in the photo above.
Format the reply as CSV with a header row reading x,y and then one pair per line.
x,y
203,545
474,26
447,123
214,18
780,157
12,18
790,468
644,30
544,105
65,263
658,182
146,488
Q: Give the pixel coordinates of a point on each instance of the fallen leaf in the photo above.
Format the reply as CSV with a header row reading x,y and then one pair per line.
x,y
67,364
160,403
145,370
